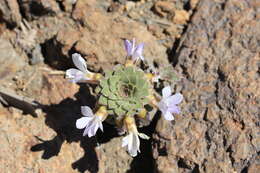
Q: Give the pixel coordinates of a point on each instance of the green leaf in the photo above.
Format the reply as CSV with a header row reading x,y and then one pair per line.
x,y
112,104
97,89
102,100
119,111
105,91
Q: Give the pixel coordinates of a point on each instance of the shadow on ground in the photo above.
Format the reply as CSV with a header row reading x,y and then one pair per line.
x,y
61,118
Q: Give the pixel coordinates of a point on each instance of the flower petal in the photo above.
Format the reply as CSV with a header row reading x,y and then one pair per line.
x,y
138,52
174,109
94,130
82,122
133,46
130,141
75,75
125,141
166,92
101,126
86,111
175,99
128,47
168,116
135,146
79,62
143,136
162,106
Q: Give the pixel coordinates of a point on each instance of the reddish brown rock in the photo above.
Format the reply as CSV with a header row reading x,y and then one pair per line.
x,y
221,91
162,8
56,88
104,38
181,17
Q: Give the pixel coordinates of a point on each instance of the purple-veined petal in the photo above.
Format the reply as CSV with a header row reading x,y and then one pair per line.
x,y
168,116
162,106
174,109
166,92
138,52
128,47
86,111
75,75
133,47
82,122
79,62
175,99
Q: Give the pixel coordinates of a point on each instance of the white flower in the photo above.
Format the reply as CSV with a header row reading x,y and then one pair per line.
x,y
168,104
91,122
81,75
132,139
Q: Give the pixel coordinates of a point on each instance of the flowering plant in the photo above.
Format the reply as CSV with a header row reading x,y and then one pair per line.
x,y
123,96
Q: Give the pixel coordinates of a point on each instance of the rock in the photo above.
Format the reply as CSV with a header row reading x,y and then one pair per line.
x,y
163,8
10,60
68,4
10,13
107,152
33,9
219,125
26,36
19,133
181,17
193,3
104,37
242,148
66,43
51,87
129,5
255,166
36,56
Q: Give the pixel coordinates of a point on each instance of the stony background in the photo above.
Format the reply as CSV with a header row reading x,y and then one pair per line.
x,y
212,44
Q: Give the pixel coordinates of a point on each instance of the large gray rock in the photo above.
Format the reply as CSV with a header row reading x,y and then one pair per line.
x,y
218,130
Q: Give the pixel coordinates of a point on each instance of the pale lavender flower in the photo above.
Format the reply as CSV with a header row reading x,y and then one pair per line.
x,y
81,74
133,51
89,121
168,104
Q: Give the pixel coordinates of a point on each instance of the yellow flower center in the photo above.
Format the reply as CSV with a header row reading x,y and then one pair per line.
x,y
102,112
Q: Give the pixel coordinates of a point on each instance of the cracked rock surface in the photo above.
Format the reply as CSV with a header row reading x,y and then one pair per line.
x,y
218,130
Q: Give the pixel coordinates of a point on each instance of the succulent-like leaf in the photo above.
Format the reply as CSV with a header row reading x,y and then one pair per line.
x,y
124,91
